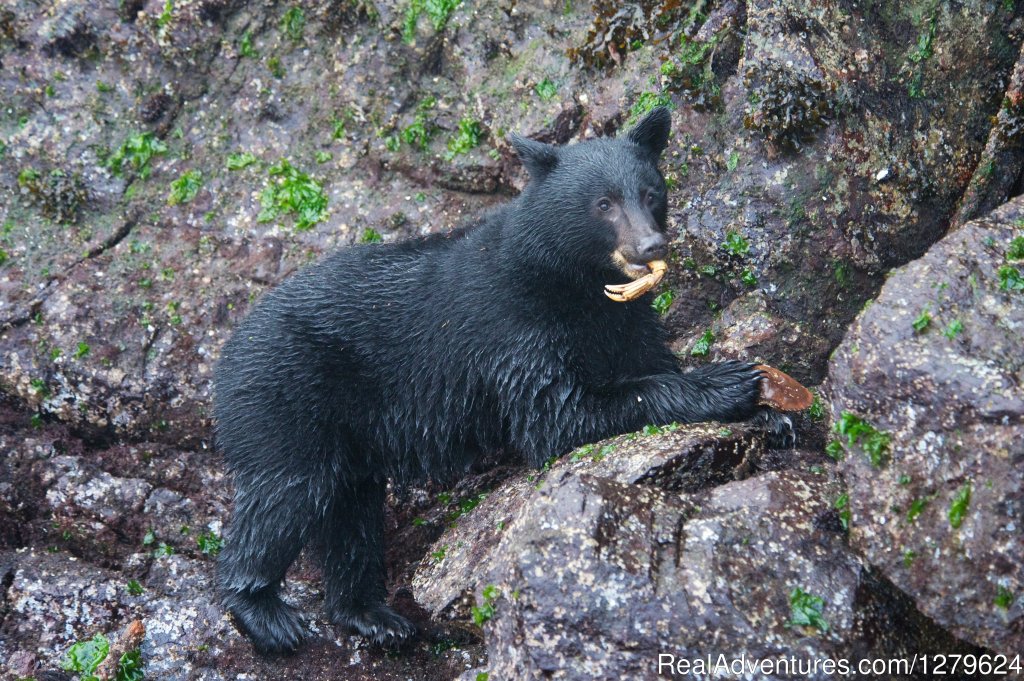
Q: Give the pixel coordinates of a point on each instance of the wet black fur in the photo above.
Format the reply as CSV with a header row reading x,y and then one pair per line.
x,y
407,360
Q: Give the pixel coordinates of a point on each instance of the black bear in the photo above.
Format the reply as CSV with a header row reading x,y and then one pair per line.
x,y
408,360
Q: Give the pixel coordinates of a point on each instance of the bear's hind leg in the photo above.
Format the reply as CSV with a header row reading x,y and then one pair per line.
x,y
352,550
266,534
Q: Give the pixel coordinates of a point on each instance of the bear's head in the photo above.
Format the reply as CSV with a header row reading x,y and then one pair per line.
x,y
599,207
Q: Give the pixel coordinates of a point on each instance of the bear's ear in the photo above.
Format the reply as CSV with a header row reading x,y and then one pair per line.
x,y
539,158
651,134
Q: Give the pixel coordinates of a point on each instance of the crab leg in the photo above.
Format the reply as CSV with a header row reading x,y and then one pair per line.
x,y
623,293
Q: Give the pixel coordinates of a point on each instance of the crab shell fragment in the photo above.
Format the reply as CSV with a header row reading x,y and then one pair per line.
x,y
623,293
781,391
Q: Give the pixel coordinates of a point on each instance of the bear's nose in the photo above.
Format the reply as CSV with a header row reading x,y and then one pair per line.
x,y
653,247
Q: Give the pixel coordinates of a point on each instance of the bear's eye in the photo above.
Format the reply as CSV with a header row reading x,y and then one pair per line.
x,y
651,197
604,205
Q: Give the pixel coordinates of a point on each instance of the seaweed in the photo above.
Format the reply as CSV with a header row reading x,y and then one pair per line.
x,y
620,28
58,194
787,106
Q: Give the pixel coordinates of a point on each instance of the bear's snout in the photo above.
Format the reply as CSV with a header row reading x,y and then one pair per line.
x,y
653,246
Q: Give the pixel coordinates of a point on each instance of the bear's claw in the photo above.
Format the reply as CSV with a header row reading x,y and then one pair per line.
x,y
380,625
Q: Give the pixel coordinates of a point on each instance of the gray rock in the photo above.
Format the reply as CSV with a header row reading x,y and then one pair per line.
x,y
690,458
95,493
599,568
786,154
941,515
78,582
58,598
749,330
185,618
170,511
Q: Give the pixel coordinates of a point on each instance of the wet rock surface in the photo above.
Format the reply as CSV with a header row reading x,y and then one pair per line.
x,y
692,458
97,538
815,147
809,140
939,510
998,174
597,568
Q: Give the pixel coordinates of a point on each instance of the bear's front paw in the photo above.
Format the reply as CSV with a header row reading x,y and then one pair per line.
x,y
779,430
724,391
380,625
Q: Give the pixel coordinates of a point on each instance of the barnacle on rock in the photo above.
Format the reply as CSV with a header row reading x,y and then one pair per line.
x,y
787,106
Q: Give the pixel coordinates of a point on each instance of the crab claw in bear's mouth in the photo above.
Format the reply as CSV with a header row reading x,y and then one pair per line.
x,y
624,293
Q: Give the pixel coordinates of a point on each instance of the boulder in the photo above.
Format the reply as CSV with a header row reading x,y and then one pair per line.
x,y
928,382
602,569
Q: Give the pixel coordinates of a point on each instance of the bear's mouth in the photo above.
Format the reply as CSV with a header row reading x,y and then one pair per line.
x,y
633,270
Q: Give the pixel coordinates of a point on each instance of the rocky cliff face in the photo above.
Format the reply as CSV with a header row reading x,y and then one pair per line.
x,y
162,164
933,368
